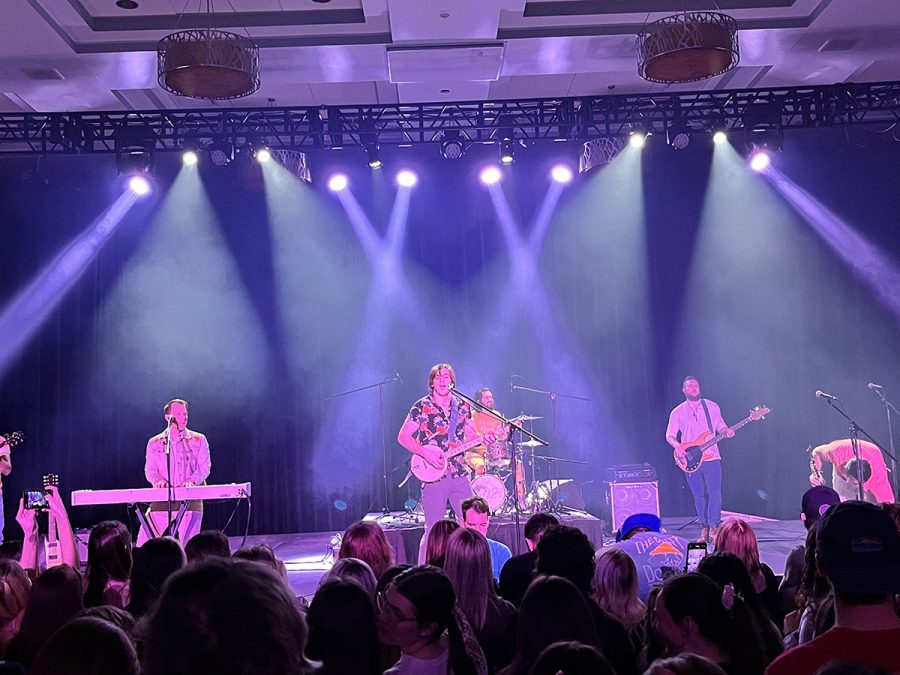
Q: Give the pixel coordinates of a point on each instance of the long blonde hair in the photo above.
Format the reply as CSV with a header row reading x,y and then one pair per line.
x,y
467,561
615,587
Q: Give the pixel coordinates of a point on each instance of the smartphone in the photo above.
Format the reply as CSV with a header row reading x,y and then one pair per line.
x,y
35,499
696,551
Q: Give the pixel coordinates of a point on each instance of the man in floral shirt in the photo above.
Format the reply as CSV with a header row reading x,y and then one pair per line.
x,y
434,423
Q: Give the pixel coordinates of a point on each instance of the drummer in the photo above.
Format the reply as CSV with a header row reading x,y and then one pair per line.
x,y
496,455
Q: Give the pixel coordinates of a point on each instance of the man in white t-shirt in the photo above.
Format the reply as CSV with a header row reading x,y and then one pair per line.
x,y
686,423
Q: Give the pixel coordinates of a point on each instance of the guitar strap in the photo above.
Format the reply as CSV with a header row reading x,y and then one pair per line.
x,y
454,418
708,418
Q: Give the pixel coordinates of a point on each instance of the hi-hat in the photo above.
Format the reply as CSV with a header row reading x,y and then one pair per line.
x,y
527,418
529,444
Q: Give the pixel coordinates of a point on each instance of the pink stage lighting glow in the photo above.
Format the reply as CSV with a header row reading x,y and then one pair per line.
x,y
139,185
561,173
337,182
760,160
490,175
406,178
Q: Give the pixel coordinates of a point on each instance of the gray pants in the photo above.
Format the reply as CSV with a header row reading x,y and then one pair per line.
x,y
434,502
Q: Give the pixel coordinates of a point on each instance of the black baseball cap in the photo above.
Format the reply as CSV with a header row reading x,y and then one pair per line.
x,y
860,549
816,501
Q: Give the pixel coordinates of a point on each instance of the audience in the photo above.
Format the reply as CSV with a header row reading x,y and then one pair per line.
x,y
737,537
518,571
477,516
15,589
342,632
571,658
207,544
366,541
108,565
355,570
615,590
154,562
87,646
685,664
436,541
655,554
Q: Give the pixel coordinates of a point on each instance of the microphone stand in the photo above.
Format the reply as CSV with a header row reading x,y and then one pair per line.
x,y
516,427
170,496
888,406
855,431
385,510
554,466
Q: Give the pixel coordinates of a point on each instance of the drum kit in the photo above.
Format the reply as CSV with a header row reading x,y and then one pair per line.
x,y
493,466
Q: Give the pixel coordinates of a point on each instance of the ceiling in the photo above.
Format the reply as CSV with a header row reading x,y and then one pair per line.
x,y
81,55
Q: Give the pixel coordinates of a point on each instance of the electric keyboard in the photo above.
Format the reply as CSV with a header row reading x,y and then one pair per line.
x,y
142,495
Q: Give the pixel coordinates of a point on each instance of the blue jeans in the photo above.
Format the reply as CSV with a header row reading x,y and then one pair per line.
x,y
706,485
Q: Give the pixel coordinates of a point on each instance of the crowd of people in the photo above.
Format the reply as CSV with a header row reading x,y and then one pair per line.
x,y
564,606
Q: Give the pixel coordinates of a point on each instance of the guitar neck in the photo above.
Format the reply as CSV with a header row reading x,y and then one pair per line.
x,y
718,437
468,445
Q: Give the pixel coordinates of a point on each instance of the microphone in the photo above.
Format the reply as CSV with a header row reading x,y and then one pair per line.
x,y
399,379
170,419
822,394
874,386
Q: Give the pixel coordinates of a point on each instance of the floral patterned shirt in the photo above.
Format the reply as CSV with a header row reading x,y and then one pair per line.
x,y
434,428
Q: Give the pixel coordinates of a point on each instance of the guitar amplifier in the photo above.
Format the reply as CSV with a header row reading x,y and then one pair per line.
x,y
624,473
626,499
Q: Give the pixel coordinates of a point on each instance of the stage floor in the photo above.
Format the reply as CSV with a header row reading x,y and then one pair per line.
x,y
308,555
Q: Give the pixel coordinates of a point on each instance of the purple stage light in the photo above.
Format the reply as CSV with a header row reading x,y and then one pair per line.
x,y
561,173
490,175
337,182
139,185
760,160
406,178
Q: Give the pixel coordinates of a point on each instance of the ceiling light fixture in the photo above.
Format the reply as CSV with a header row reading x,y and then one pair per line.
x,y
688,47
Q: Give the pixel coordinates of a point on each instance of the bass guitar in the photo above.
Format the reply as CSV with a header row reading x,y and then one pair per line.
x,y
693,451
428,473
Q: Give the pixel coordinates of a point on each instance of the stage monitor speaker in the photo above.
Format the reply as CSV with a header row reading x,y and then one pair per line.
x,y
565,491
628,498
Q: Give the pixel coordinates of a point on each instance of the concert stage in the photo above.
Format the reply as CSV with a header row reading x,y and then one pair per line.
x,y
308,555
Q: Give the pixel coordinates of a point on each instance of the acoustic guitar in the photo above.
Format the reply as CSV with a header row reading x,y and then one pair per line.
x,y
427,473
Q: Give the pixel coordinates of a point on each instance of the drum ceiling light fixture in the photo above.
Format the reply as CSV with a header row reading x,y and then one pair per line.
x,y
208,63
687,47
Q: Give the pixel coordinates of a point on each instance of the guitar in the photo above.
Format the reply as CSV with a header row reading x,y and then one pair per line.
x,y
693,451
52,554
427,473
12,439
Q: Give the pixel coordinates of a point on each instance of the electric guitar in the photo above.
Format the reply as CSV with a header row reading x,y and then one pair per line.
x,y
12,439
427,473
52,554
693,451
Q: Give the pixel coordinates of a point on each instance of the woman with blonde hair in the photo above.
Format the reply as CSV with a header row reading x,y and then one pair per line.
x,y
615,588
737,537
366,541
467,562
15,590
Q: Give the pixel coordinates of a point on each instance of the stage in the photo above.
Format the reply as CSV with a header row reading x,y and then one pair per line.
x,y
309,555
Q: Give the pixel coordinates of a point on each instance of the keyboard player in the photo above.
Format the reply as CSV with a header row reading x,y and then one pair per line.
x,y
190,464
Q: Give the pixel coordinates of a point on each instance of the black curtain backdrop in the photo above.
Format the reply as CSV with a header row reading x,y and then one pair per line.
x,y
257,308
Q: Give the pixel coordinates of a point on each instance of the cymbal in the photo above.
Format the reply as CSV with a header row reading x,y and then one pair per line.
x,y
527,418
529,444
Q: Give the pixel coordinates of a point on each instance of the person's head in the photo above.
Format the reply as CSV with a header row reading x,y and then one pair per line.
x,y
685,664
109,557
366,540
436,543
485,397
552,610
441,379
114,615
355,571
154,562
56,596
89,646
263,554
535,527
893,511
736,536
476,514
342,631
15,589
615,587
416,608
225,615
690,387
637,523
854,468
815,502
468,564
206,544
858,550
389,575
566,551
726,568
178,409
571,658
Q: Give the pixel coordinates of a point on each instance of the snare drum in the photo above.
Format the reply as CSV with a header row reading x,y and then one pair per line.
x,y
499,455
491,489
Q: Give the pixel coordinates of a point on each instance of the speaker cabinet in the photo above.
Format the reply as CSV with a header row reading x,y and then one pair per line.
x,y
626,499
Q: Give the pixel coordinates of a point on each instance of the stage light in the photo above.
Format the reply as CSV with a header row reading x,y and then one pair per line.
x,y
406,178
221,153
490,175
720,137
637,139
452,146
337,182
139,185
678,134
263,155
561,173
189,157
507,151
760,160
374,158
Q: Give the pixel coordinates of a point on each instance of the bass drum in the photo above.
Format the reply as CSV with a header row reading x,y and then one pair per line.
x,y
492,490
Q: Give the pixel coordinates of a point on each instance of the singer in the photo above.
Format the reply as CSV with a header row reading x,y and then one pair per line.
x,y
190,463
839,453
434,423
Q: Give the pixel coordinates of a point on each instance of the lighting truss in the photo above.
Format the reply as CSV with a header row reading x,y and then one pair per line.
x,y
580,119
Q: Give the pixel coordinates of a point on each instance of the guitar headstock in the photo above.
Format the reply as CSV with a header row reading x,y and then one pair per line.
x,y
14,438
51,479
759,413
